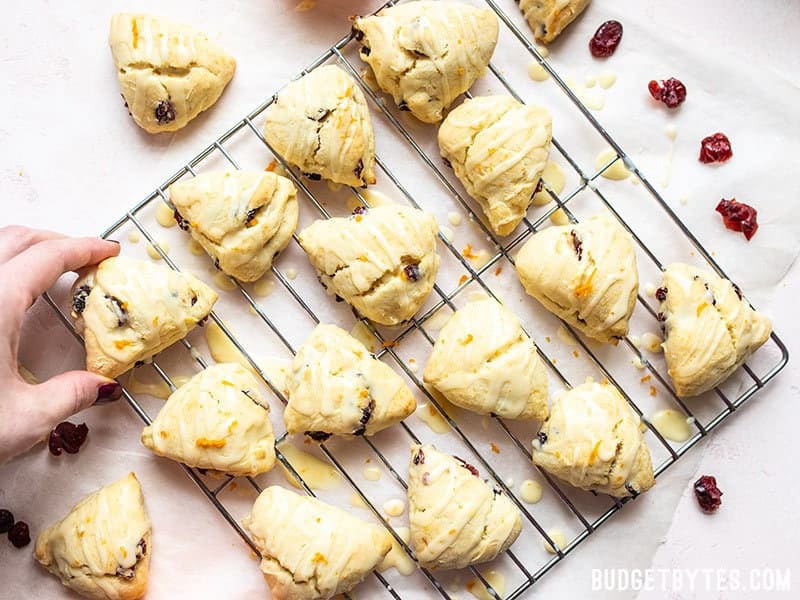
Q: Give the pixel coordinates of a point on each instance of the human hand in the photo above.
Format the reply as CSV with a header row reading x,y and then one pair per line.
x,y
31,261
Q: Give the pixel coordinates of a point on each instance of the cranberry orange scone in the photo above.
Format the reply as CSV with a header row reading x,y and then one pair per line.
x,y
548,18
710,328
311,550
584,273
321,124
456,519
381,260
484,362
425,54
130,310
218,420
498,148
336,387
168,72
101,549
594,440
243,219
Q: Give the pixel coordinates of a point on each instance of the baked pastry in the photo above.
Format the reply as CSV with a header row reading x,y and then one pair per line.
x,y
380,260
336,387
243,219
168,72
217,420
710,329
594,440
101,549
321,124
311,550
548,18
483,361
584,273
425,54
456,519
130,310
498,148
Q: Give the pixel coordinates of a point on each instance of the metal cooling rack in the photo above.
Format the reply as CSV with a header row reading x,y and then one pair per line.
x,y
390,344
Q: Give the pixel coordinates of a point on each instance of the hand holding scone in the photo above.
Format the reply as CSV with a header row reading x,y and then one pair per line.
x,y
31,261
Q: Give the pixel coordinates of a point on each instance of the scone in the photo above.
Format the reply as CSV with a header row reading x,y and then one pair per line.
x,y
710,329
584,273
498,148
425,54
168,72
243,219
484,362
311,550
336,387
130,310
594,440
217,420
321,124
101,549
548,18
381,260
456,519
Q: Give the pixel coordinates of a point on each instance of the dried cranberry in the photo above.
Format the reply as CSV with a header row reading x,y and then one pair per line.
x,y
68,437
577,243
419,457
468,466
19,534
318,436
708,494
412,272
670,91
79,299
542,437
738,216
6,520
661,294
165,112
715,148
359,168
605,40
359,210
182,223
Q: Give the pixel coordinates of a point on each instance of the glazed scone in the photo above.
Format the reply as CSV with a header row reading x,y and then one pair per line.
x,y
382,260
243,219
217,420
484,362
710,329
130,310
548,18
498,148
168,72
336,387
321,124
456,519
425,54
311,550
595,441
584,273
101,549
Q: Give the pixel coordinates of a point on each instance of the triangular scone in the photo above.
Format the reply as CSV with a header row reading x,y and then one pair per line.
x,y
710,329
336,387
498,148
484,362
130,310
594,440
243,219
425,54
217,420
309,549
321,124
584,273
168,72
456,519
548,18
381,260
101,549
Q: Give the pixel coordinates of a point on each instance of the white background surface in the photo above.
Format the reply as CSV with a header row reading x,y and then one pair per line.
x,y
72,160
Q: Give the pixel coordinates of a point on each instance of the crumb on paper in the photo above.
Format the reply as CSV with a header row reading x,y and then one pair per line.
x,y
494,448
305,5
653,390
467,252
645,379
547,339
462,280
498,270
575,353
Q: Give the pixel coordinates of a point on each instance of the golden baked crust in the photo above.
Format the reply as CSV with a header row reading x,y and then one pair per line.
x,y
548,18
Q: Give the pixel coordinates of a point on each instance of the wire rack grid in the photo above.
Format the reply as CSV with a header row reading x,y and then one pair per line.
x,y
389,342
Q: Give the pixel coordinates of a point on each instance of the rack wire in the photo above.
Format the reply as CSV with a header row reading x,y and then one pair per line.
x,y
390,342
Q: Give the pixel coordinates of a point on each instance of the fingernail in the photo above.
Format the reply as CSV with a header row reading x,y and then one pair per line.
x,y
108,392
113,241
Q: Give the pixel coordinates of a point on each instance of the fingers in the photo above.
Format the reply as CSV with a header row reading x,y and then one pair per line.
x,y
15,239
36,269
